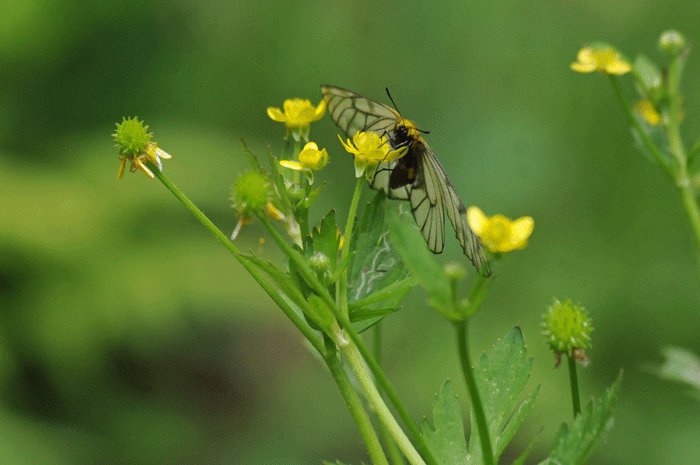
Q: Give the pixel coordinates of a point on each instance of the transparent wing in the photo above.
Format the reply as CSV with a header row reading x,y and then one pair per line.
x,y
353,112
433,190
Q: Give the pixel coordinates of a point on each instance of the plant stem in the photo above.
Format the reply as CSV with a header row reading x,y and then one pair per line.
x,y
305,329
392,449
372,394
677,149
354,404
573,379
310,277
477,406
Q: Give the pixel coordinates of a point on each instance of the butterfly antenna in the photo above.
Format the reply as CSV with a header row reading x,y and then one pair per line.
x,y
399,112
392,100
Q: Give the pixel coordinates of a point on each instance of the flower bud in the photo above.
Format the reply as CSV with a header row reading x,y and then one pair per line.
x,y
672,42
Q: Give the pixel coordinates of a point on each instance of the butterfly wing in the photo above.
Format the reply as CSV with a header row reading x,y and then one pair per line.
x,y
353,112
440,192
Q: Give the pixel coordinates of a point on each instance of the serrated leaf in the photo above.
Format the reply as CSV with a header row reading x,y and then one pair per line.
x,y
501,378
446,440
377,278
574,444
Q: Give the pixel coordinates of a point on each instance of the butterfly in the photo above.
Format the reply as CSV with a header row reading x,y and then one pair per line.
x,y
417,177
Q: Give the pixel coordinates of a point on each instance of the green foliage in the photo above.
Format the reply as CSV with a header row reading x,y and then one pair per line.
x,y
446,439
501,378
425,270
575,443
377,278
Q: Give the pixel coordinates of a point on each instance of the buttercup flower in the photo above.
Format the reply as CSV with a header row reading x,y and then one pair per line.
x,y
298,114
645,109
310,158
602,58
369,149
498,233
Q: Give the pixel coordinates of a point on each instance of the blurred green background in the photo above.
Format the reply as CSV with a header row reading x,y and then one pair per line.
x,y
129,335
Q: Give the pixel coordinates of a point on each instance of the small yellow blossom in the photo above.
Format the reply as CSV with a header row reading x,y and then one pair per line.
x,y
604,59
645,109
310,158
297,113
498,233
369,149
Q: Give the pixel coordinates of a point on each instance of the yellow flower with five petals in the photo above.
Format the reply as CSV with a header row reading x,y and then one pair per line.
x,y
601,58
369,149
498,233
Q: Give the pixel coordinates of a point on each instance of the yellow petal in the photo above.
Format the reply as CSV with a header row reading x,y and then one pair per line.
x,y
294,165
276,114
477,219
618,67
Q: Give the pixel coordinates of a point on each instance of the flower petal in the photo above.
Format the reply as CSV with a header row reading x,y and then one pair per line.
x,y
276,114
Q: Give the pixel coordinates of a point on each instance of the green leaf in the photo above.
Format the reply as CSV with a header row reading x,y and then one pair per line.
x,y
501,378
574,444
377,279
326,238
650,75
446,440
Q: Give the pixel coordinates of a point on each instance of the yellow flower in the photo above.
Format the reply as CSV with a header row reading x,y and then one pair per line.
x,y
369,149
498,233
602,58
645,109
298,113
310,158
152,154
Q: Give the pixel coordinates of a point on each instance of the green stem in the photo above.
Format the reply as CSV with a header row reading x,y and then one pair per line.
x,y
354,404
392,449
375,399
677,149
341,289
477,406
310,277
573,379
299,322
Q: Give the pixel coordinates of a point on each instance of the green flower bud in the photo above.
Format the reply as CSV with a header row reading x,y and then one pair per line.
x,y
567,327
672,42
251,192
132,137
319,262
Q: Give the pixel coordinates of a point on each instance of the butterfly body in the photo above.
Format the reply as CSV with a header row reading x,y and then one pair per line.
x,y
417,176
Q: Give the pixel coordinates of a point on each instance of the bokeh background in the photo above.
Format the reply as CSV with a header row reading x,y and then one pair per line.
x,y
129,335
